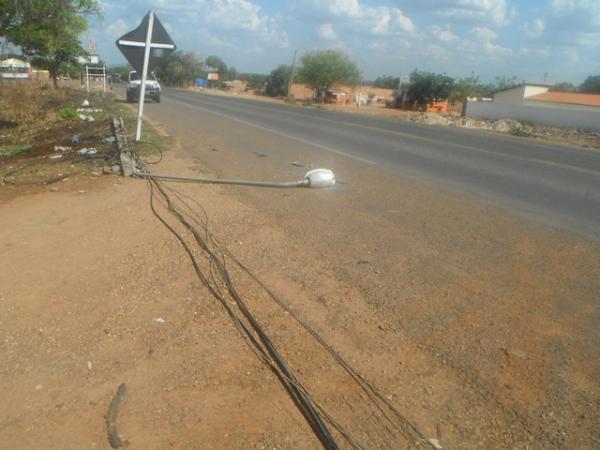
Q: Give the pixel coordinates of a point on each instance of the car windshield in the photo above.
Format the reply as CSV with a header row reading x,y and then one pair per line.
x,y
133,76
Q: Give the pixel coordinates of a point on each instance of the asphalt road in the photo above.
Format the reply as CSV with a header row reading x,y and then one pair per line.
x,y
555,185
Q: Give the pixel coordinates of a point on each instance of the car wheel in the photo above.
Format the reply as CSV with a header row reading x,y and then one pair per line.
x,y
158,98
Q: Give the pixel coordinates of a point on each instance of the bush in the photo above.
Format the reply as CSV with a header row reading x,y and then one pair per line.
x,y
68,113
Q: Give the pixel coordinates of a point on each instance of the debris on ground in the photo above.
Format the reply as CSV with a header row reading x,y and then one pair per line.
x,y
89,110
111,418
62,148
86,118
584,138
87,151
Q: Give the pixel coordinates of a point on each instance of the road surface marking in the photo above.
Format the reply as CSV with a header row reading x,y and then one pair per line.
x,y
279,133
412,136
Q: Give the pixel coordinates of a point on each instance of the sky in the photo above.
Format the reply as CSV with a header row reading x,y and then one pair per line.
x,y
535,40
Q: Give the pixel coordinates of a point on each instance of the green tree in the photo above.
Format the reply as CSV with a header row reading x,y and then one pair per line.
x,y
387,82
504,82
217,63
591,85
180,69
47,30
122,70
277,81
320,69
255,81
564,87
427,86
231,74
470,86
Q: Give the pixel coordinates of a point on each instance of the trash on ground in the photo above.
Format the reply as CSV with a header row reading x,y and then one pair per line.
x,y
89,110
159,320
297,164
83,116
110,139
85,103
62,148
90,119
55,156
87,151
435,443
75,140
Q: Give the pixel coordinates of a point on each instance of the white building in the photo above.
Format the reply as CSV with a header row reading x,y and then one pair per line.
x,y
15,69
537,104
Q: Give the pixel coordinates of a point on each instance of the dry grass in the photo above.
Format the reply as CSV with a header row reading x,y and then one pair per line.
x,y
25,103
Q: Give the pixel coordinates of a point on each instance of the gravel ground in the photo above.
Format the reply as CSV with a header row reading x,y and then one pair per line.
x,y
479,327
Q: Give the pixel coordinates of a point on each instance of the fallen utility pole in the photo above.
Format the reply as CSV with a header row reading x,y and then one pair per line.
x,y
126,153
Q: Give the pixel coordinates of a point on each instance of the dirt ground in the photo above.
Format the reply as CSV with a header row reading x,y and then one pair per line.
x,y
480,327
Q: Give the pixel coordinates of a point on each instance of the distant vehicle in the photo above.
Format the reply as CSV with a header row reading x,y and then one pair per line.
x,y
153,88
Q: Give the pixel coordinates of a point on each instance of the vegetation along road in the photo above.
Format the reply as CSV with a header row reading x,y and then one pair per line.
x,y
558,185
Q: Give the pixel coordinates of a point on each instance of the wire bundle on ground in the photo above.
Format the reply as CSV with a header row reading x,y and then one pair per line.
x,y
218,280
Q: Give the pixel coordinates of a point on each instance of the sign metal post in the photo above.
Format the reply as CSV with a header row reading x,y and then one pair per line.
x,y
145,47
138,130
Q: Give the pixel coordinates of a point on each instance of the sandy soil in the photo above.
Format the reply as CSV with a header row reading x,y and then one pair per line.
x,y
481,328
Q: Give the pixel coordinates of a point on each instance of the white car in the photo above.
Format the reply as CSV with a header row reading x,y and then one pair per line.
x,y
152,87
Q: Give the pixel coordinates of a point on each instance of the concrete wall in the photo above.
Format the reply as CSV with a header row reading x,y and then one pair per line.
x,y
302,92
530,91
541,115
563,106
510,96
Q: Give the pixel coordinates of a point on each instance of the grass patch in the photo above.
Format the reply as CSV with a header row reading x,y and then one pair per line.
x,y
67,113
12,150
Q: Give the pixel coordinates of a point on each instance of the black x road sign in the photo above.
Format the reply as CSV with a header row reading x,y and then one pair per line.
x,y
133,44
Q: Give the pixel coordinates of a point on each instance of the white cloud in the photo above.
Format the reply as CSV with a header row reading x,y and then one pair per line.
x,y
350,8
575,21
243,15
535,28
117,29
377,20
326,31
492,12
443,35
484,37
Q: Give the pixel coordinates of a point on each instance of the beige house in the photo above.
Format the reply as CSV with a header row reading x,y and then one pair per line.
x,y
345,92
535,103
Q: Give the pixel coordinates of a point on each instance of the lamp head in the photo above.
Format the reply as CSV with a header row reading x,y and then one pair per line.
x,y
319,178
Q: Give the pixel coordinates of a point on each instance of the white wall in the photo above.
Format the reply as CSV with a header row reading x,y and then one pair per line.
x,y
564,106
541,115
534,90
510,96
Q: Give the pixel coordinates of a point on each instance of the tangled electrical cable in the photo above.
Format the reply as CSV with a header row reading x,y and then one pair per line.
x,y
219,282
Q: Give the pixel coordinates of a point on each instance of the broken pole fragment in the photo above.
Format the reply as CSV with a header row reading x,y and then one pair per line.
x,y
114,439
126,154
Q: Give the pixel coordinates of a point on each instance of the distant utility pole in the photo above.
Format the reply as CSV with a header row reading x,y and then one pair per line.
x,y
291,82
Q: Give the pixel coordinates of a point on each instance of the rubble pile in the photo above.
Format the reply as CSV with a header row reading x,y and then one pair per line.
x,y
588,139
